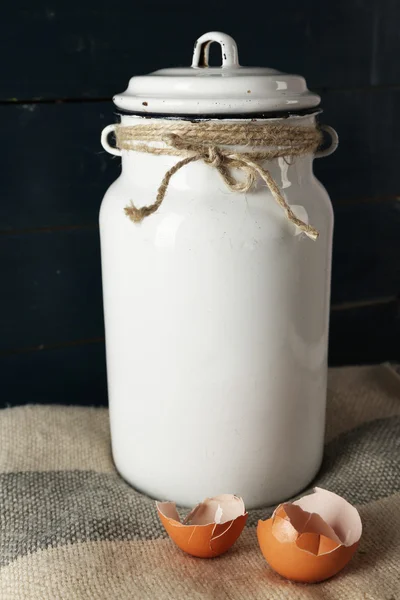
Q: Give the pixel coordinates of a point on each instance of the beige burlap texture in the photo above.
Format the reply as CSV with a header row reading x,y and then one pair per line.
x,y
71,528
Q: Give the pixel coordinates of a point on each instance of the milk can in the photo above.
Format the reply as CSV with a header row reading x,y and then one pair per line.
x,y
216,259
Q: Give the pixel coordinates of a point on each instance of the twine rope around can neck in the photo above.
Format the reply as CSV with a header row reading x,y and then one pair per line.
x,y
210,142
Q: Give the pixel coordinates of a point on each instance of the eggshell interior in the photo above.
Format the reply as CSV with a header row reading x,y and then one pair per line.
x,y
342,519
219,509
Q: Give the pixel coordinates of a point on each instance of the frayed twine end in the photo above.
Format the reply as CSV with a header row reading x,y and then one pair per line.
x,y
312,233
136,215
133,213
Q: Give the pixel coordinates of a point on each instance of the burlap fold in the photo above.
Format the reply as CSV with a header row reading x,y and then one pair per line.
x,y
71,528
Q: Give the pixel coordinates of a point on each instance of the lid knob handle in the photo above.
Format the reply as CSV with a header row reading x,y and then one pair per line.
x,y
229,51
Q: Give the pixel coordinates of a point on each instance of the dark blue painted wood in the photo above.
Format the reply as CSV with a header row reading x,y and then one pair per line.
x,y
51,288
54,170
73,375
366,251
365,164
365,335
62,49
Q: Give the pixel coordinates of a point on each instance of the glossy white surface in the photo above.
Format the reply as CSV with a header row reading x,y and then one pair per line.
x,y
216,314
227,89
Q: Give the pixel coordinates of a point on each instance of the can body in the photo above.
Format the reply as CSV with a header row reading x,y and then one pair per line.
x,y
216,314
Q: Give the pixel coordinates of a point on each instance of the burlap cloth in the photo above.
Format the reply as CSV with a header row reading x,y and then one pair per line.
x,y
71,528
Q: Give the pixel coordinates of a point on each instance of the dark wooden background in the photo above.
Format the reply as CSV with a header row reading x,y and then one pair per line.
x,y
61,63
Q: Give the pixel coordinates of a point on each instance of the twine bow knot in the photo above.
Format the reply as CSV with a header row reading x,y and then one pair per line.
x,y
197,145
214,158
211,155
218,158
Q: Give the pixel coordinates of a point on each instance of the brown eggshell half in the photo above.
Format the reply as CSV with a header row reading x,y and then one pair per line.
x,y
310,545
210,529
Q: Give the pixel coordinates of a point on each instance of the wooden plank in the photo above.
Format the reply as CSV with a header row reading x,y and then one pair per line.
x,y
54,170
73,375
51,290
66,172
366,251
91,49
364,164
365,335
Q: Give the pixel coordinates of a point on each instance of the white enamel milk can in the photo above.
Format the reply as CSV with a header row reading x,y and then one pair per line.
x,y
216,261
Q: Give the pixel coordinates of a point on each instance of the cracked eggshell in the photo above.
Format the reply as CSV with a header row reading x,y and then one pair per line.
x,y
311,539
210,529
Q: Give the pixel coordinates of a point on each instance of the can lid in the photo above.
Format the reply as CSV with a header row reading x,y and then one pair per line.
x,y
228,89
